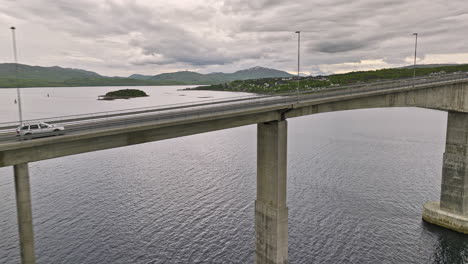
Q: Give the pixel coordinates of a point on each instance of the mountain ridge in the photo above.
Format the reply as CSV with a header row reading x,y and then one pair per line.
x,y
256,72
55,76
58,73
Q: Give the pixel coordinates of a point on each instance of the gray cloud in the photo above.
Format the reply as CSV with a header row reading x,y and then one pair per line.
x,y
126,36
236,6
340,46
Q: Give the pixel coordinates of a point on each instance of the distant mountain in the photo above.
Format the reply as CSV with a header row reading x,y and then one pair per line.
x,y
259,73
140,76
37,76
7,70
188,77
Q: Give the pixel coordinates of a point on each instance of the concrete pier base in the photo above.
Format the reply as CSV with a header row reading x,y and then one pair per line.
x,y
452,211
271,228
24,211
434,215
271,212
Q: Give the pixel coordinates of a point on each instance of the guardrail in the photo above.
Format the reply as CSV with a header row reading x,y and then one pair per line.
x,y
287,101
123,112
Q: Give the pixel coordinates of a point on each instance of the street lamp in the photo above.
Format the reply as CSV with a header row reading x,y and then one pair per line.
x,y
298,50
16,76
298,60
415,48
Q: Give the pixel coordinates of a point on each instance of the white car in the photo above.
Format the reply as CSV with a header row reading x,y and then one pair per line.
x,y
40,129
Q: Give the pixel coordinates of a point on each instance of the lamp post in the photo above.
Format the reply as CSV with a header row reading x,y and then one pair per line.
x,y
298,50
298,61
415,48
16,76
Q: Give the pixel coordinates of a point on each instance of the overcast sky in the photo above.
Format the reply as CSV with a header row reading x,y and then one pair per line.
x,y
121,37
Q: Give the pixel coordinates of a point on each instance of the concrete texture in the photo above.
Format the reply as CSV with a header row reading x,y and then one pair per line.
x,y
433,214
23,205
271,212
454,191
452,210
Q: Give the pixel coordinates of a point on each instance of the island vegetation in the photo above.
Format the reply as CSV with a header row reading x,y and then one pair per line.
x,y
123,94
316,83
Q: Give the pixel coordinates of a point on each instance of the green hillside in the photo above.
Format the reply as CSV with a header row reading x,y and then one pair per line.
x,y
7,70
280,85
395,73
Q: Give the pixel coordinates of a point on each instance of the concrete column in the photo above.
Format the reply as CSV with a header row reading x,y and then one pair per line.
x,y
271,212
23,205
452,210
454,192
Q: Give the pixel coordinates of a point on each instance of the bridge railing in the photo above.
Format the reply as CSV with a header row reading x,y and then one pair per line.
x,y
123,112
170,110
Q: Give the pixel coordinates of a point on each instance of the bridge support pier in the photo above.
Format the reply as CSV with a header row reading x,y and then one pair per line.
x,y
271,212
24,211
452,210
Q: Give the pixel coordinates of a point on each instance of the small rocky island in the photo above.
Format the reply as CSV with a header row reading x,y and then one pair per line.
x,y
122,94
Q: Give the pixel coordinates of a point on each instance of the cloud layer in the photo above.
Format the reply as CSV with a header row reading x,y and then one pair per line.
x,y
121,37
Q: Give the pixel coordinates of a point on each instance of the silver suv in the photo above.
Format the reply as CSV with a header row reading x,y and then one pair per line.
x,y
40,129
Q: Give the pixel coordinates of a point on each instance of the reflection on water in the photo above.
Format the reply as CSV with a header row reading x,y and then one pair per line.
x,y
357,181
448,246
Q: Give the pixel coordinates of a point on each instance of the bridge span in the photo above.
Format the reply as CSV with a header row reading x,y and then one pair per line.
x,y
270,113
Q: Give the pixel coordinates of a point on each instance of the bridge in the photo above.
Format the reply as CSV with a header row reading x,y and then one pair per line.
x,y
93,132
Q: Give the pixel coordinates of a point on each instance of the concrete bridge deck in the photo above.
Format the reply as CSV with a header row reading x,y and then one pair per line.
x,y
92,134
